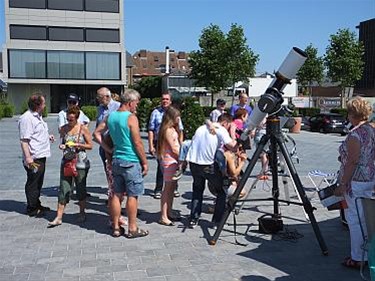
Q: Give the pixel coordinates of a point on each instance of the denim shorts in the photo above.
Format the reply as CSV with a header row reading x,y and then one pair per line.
x,y
127,177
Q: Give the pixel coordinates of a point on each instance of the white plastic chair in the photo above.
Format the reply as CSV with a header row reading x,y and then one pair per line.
x,y
317,177
368,205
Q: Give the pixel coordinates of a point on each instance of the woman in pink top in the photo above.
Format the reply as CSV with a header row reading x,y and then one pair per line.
x,y
168,147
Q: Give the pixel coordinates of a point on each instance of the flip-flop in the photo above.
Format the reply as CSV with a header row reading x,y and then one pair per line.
x,y
56,222
137,234
166,223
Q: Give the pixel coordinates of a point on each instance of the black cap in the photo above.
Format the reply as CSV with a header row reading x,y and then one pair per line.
x,y
73,97
220,102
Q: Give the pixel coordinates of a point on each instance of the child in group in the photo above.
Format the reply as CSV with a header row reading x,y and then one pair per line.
x,y
168,147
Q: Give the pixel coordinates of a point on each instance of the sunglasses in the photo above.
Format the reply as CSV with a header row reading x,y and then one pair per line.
x,y
72,102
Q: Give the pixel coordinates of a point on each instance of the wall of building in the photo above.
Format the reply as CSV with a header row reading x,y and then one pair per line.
x,y
20,88
19,94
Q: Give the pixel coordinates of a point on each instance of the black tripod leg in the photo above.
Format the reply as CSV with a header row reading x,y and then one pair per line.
x,y
233,199
275,176
305,201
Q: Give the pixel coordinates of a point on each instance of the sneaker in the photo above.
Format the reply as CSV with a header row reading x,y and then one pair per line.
x,y
177,175
177,194
193,223
157,195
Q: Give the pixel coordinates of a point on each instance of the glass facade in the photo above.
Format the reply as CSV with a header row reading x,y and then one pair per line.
x,y
32,4
73,5
34,64
102,35
61,33
28,32
100,65
27,64
65,65
110,6
65,34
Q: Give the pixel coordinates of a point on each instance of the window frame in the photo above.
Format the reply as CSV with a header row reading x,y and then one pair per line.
x,y
24,25
66,27
17,77
28,7
91,10
66,9
102,29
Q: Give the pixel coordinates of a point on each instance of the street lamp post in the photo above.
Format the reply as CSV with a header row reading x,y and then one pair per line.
x,y
167,69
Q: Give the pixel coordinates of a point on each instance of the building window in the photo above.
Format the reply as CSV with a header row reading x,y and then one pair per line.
x,y
27,64
72,5
102,35
32,4
65,34
28,32
65,65
102,66
111,6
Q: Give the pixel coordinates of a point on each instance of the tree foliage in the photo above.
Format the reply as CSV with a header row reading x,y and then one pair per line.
x,y
222,59
313,68
344,58
149,87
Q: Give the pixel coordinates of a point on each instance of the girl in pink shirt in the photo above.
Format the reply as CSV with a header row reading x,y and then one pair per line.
x,y
168,147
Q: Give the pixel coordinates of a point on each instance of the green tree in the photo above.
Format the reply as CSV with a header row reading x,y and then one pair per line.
x,y
149,87
240,59
344,60
312,70
222,59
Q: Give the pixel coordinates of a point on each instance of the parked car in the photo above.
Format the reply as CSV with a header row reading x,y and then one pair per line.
x,y
305,124
328,123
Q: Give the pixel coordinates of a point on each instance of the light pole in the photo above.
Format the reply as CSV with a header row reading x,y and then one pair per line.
x,y
167,59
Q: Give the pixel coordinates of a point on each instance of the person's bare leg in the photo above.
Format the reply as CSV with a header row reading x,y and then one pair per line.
x,y
82,205
166,201
60,210
131,209
115,210
59,214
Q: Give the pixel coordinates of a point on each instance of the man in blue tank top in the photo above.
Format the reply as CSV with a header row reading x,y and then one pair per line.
x,y
129,164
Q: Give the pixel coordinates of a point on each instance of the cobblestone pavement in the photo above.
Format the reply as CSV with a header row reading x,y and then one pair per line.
x,y
72,251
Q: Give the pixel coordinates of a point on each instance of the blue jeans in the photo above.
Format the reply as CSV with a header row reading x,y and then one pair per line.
x,y
212,174
127,177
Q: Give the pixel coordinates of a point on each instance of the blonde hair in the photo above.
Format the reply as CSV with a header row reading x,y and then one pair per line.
x,y
169,121
359,108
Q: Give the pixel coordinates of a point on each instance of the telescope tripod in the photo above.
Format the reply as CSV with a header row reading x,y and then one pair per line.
x,y
276,139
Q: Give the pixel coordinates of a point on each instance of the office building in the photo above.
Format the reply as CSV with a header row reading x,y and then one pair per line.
x,y
366,86
57,47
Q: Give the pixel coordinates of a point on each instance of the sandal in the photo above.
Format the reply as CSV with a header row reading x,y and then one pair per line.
x,y
166,223
350,263
56,222
117,232
137,234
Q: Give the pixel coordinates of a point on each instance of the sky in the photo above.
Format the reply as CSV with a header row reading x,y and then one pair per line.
x,y
272,27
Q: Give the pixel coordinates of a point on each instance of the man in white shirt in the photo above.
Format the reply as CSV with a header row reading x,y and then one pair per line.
x,y
201,157
35,146
220,109
72,99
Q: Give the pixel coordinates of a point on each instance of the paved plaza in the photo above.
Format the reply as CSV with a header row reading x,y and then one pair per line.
x,y
72,251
